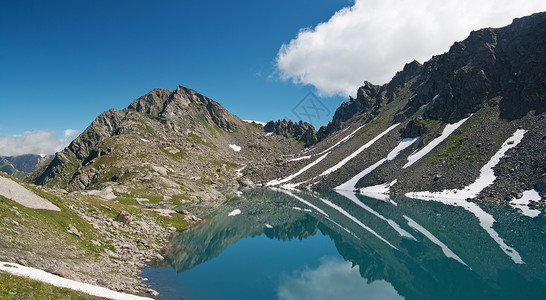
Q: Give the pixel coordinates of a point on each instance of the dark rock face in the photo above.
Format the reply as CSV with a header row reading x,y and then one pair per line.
x,y
368,97
490,63
301,131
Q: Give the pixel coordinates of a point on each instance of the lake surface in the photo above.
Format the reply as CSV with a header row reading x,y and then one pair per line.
x,y
302,245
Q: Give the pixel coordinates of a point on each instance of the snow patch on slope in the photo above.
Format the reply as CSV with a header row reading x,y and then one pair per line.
x,y
350,185
350,135
523,202
58,281
235,147
358,151
379,192
234,212
447,131
487,175
307,167
300,158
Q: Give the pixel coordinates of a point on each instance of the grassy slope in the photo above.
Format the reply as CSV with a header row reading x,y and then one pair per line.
x,y
17,287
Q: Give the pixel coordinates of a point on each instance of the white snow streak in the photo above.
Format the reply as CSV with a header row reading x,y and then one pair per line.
x,y
300,158
352,196
435,240
234,212
358,151
447,131
239,172
379,192
235,147
356,221
343,139
58,281
303,201
350,185
277,182
487,176
521,203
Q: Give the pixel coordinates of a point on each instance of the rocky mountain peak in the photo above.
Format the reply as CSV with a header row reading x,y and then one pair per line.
x,y
152,103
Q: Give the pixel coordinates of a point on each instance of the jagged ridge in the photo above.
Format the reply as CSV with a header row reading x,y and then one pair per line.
x,y
496,77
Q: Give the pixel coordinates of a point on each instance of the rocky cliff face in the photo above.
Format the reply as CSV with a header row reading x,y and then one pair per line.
x,y
301,131
493,83
179,144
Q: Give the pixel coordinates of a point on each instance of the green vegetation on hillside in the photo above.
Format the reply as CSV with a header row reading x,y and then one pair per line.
x,y
17,287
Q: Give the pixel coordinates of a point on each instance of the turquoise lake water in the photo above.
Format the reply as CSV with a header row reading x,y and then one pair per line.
x,y
296,245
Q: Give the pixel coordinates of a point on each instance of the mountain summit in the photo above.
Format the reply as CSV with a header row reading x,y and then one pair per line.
x,y
178,144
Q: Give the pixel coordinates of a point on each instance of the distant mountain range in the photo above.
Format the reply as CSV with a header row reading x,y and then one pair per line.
x,y
19,166
434,126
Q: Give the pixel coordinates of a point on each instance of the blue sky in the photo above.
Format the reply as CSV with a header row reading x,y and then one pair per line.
x,y
62,63
65,62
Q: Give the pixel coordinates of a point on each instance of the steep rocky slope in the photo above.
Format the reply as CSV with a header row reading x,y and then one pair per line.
x,y
177,144
464,103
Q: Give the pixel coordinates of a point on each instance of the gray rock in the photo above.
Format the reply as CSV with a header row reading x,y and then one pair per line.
x,y
124,217
74,230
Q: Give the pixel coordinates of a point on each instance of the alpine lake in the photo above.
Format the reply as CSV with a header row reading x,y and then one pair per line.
x,y
277,244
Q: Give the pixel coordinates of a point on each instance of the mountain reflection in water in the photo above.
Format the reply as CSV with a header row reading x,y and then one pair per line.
x,y
303,245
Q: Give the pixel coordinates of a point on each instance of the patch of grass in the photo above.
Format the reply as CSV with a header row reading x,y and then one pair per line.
x,y
177,221
198,140
128,198
180,155
146,128
17,287
452,145
212,129
177,198
53,223
430,122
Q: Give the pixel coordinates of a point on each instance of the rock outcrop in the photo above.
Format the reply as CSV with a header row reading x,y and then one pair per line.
x,y
301,131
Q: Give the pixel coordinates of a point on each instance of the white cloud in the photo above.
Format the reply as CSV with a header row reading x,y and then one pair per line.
x,y
333,279
372,40
34,142
70,133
